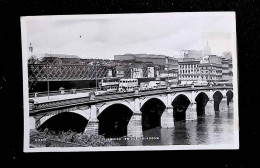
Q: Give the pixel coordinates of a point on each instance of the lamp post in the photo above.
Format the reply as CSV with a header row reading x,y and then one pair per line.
x,y
48,79
167,66
96,73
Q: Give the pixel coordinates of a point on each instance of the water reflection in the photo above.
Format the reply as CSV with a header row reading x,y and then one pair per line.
x,y
209,129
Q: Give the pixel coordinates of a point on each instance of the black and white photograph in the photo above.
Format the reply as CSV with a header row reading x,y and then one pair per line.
x,y
130,82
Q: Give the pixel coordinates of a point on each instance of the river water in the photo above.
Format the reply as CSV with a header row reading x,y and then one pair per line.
x,y
206,130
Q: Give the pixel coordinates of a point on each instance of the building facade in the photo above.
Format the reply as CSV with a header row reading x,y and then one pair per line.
x,y
211,68
227,72
149,65
189,69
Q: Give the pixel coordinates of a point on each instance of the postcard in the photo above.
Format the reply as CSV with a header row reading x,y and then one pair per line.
x,y
130,82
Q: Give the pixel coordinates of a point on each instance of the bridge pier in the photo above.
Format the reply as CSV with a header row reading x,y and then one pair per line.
x,y
167,118
209,108
223,104
92,126
191,112
134,127
32,124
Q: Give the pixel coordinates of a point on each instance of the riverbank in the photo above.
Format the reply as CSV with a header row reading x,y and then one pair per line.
x,y
48,138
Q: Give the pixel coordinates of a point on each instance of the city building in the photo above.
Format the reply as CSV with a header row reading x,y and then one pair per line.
x,y
150,72
120,71
189,69
171,76
211,68
161,61
149,65
227,72
230,70
137,72
58,59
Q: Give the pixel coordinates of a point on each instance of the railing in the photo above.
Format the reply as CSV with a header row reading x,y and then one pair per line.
x,y
60,92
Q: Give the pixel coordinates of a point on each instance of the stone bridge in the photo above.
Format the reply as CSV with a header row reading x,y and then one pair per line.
x,y
129,114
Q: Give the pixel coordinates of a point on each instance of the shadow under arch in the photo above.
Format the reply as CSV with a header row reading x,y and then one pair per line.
x,y
202,100
113,121
64,122
217,96
230,96
180,105
152,111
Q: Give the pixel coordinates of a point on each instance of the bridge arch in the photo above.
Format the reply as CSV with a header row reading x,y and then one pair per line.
x,y
106,105
114,119
230,96
162,99
188,95
180,104
201,99
223,92
206,92
217,96
42,120
71,120
152,111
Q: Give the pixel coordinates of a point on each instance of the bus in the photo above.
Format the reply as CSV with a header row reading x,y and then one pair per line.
x,y
127,85
109,84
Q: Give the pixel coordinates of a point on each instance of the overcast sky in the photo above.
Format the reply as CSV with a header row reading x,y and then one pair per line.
x,y
103,36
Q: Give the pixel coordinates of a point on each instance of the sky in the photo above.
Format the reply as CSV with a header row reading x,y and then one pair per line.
x,y
103,36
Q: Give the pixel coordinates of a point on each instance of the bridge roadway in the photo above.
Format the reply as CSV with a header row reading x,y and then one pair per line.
x,y
40,103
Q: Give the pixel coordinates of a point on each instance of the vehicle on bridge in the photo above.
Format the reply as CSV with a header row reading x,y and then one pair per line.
x,y
186,83
194,83
144,85
128,85
152,85
200,83
109,84
227,83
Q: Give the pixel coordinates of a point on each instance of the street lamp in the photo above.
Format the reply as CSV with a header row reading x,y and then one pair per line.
x,y
96,73
48,79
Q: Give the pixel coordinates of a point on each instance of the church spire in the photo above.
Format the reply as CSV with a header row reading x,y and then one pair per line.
x,y
207,50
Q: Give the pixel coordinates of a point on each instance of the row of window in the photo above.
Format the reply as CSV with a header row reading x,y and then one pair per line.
x,y
127,81
208,67
109,87
189,77
189,71
189,66
128,87
196,76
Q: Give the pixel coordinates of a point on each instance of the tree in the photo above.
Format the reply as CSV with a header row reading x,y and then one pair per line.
x,y
33,60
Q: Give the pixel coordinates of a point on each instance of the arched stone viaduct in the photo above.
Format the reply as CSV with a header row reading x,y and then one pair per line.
x,y
132,114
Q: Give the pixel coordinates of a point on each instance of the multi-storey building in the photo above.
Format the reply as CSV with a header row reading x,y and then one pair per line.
x,y
211,68
225,69
150,64
189,69
227,72
230,67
